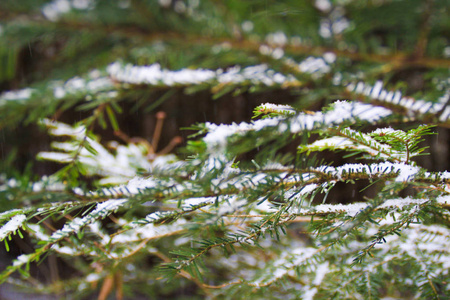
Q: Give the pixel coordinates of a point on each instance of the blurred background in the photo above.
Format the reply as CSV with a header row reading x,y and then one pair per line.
x,y
54,58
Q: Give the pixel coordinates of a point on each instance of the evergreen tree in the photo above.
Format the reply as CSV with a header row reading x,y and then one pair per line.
x,y
320,190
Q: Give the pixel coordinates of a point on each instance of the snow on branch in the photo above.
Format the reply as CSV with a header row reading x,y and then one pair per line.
x,y
12,226
10,213
115,168
149,231
340,112
54,10
405,172
93,83
383,143
353,209
284,265
154,75
188,205
103,86
413,107
273,110
101,211
349,139
16,95
61,129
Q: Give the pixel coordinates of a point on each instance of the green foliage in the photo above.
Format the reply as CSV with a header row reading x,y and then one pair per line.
x,y
382,144
317,198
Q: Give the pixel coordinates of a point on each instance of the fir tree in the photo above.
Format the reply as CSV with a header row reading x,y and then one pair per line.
x,y
324,193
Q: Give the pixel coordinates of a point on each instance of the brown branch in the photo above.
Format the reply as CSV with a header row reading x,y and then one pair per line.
x,y
160,116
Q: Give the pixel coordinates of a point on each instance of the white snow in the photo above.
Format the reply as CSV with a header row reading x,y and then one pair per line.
x,y
342,111
321,271
56,156
353,209
368,144
190,202
285,263
218,134
405,172
54,10
135,185
329,57
314,65
155,75
409,104
149,231
61,129
102,210
308,189
277,39
93,277
12,225
247,26
22,259
113,169
17,94
323,5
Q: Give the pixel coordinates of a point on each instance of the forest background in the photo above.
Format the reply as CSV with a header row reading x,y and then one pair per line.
x,y
94,93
